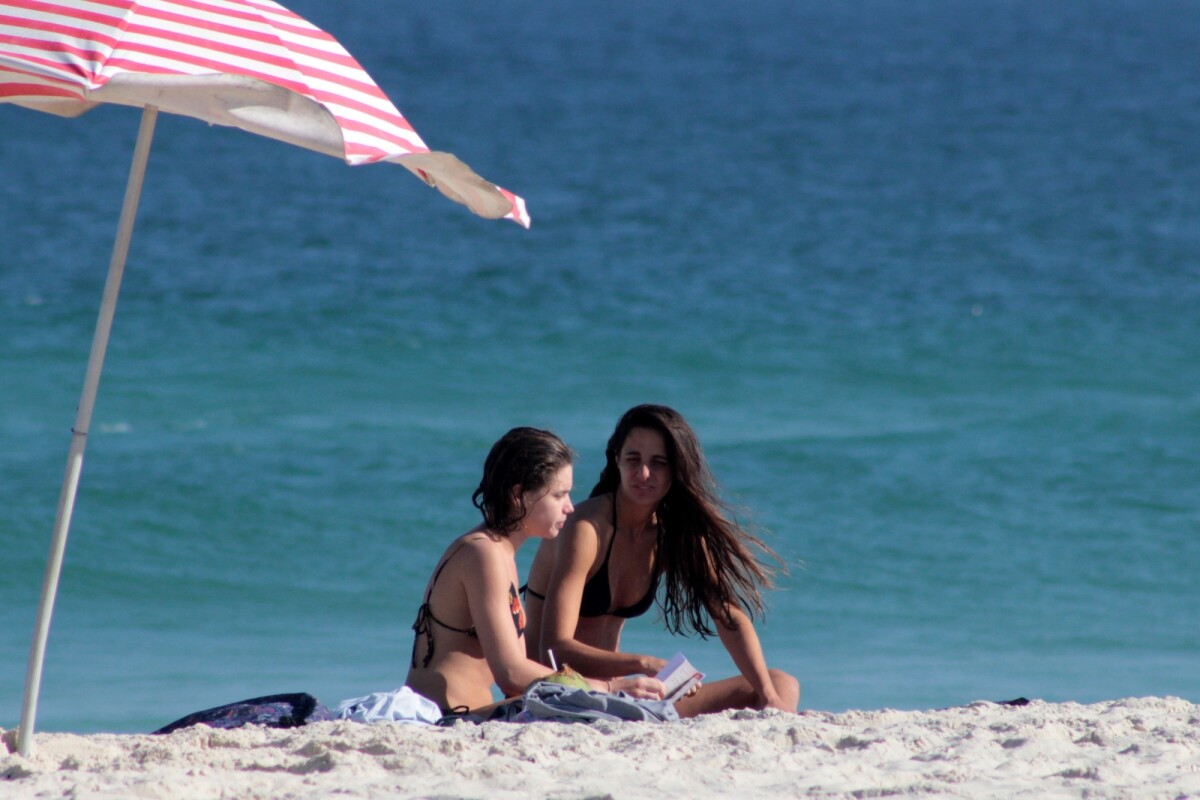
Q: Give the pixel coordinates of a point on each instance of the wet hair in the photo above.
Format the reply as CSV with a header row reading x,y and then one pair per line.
x,y
525,457
709,560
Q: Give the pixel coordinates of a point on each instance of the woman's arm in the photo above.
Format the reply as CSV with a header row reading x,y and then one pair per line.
x,y
575,553
492,599
741,641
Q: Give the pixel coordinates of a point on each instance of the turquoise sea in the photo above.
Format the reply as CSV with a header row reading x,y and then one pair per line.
x,y
924,276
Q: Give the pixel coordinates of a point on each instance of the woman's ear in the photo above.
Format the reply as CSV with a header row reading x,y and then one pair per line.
x,y
516,495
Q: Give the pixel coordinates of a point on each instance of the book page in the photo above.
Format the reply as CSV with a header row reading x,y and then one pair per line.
x,y
678,677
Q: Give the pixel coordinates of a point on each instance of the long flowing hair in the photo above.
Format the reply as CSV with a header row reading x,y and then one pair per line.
x,y
709,560
525,457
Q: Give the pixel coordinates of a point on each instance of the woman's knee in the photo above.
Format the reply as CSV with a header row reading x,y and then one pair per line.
x,y
786,686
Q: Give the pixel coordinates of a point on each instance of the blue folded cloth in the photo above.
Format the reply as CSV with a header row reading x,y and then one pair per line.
x,y
557,703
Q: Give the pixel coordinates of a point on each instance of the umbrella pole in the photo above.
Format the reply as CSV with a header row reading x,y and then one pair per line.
x,y
83,418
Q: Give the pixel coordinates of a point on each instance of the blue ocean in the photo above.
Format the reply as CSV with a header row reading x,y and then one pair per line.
x,y
923,275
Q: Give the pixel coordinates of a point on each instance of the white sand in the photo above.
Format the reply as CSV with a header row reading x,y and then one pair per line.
x,y
1140,748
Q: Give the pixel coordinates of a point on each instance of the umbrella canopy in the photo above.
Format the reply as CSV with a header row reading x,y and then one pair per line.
x,y
250,64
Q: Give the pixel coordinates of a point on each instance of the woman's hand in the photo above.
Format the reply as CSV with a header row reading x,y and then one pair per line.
x,y
649,665
642,687
773,700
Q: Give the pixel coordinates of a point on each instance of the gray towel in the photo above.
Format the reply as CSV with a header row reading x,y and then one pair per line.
x,y
557,703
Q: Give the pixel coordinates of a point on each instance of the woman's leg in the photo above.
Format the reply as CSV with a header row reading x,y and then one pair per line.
x,y
736,692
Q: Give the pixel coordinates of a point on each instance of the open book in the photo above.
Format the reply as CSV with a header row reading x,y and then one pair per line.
x,y
678,677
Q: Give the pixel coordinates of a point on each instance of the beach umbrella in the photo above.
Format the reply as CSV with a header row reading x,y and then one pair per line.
x,y
249,64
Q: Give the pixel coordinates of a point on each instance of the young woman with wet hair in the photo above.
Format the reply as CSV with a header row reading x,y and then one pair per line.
x,y
470,629
655,518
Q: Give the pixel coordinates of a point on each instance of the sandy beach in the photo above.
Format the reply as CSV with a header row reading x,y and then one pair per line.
x,y
1133,748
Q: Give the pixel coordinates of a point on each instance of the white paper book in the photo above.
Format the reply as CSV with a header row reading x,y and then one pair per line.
x,y
678,677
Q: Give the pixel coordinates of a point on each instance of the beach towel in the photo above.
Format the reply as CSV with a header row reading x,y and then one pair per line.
x,y
273,711
402,705
557,703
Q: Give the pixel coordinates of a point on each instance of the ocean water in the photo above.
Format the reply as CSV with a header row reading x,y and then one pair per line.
x,y
923,275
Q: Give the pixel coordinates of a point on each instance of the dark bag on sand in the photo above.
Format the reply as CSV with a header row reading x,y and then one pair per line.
x,y
273,711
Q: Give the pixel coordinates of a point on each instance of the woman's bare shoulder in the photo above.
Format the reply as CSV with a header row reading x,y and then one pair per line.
x,y
594,512
582,528
583,531
476,547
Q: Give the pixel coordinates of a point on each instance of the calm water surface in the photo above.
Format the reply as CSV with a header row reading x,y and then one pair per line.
x,y
923,276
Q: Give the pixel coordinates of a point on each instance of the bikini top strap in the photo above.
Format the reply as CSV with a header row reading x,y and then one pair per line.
x,y
425,615
612,539
438,572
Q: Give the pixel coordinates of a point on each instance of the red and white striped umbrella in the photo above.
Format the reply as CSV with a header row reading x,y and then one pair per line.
x,y
250,64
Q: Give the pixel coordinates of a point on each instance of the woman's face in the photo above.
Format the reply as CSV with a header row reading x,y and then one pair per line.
x,y
546,509
644,466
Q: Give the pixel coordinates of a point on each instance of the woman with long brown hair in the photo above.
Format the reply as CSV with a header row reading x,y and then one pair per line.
x,y
655,518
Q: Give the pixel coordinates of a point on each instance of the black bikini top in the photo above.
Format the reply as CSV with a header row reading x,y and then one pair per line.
x,y
425,616
597,595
